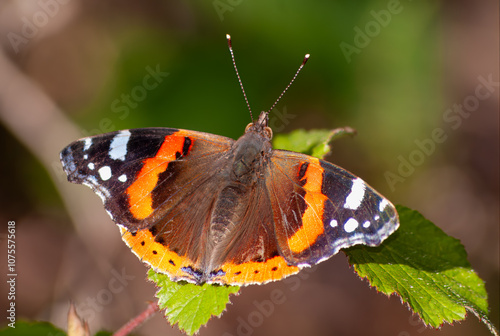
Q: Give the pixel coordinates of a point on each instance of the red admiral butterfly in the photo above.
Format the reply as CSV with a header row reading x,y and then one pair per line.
x,y
205,208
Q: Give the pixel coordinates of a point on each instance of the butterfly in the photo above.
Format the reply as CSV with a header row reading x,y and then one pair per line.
x,y
205,208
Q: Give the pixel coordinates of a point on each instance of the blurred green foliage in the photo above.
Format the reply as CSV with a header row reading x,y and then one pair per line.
x,y
388,91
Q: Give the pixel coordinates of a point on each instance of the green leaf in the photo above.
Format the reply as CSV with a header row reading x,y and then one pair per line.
x,y
313,142
419,262
189,305
103,333
25,328
426,268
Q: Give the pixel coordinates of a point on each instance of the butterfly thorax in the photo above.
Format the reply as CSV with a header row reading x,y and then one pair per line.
x,y
250,152
249,157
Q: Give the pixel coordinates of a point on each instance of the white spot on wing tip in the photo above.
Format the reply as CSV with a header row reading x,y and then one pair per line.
x,y
118,146
333,223
122,178
87,142
350,225
383,204
91,166
105,173
355,197
366,224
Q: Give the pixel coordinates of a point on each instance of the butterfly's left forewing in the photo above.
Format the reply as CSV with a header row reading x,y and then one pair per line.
x,y
158,185
326,208
131,169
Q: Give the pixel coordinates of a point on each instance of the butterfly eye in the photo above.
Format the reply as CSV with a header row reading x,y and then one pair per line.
x,y
269,132
248,127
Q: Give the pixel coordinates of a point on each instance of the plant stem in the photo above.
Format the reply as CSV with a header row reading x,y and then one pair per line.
x,y
138,320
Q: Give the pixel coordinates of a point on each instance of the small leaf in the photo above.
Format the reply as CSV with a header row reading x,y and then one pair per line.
x,y
189,305
426,268
24,328
313,142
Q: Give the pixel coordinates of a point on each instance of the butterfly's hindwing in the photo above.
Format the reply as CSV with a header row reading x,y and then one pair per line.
x,y
328,209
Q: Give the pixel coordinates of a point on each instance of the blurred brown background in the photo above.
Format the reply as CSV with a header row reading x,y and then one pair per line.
x,y
65,66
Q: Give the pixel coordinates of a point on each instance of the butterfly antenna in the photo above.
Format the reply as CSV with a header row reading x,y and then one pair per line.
x,y
306,57
238,74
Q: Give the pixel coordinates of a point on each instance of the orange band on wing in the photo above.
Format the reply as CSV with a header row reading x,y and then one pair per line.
x,y
312,219
139,192
155,254
257,272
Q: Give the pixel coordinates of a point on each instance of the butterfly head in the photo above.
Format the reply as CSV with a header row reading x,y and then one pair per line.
x,y
260,126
